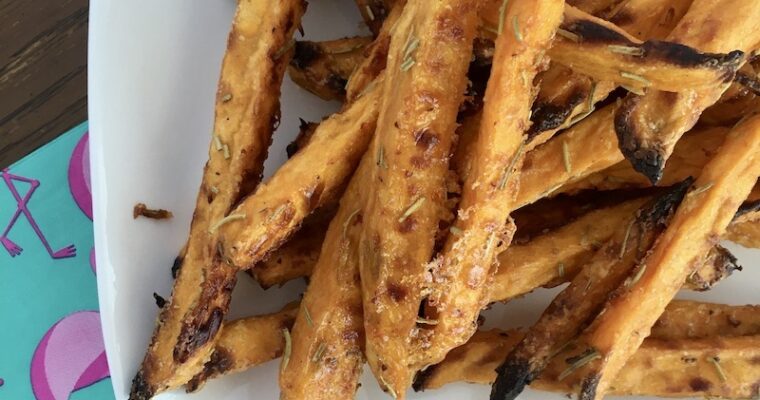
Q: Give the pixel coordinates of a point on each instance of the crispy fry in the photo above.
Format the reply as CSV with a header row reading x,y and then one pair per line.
x,y
578,303
684,319
702,218
247,109
297,257
326,355
668,368
311,178
605,52
649,126
323,68
246,343
745,233
251,343
586,147
376,56
469,258
689,157
425,82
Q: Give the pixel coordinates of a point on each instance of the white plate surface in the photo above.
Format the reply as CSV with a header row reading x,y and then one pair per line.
x,y
153,72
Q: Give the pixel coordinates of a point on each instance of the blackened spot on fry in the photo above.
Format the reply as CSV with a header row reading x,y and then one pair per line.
x,y
305,54
547,116
176,266
648,161
337,84
396,292
512,376
219,363
658,210
699,384
591,32
588,388
747,207
141,390
688,57
160,301
422,377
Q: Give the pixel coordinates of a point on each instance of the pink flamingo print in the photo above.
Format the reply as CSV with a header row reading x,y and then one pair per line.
x,y
21,208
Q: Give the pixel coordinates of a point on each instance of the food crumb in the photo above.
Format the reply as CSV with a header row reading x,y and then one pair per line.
x,y
141,210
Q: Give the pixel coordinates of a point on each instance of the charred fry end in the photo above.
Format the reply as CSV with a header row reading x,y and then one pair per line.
x,y
513,376
647,159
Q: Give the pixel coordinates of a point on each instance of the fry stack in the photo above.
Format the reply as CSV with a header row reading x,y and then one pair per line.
x,y
484,149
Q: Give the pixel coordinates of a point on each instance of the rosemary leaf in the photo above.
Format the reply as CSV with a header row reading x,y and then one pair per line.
x,y
307,315
516,29
569,35
412,209
370,14
502,13
288,348
716,362
566,157
317,357
627,236
626,50
577,362
634,77
225,220
508,171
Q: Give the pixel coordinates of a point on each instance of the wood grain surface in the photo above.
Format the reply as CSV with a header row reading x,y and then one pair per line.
x,y
43,72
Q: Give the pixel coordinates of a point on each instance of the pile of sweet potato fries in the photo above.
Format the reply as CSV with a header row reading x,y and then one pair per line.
x,y
484,149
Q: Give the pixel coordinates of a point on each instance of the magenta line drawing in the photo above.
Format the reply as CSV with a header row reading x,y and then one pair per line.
x,y
21,208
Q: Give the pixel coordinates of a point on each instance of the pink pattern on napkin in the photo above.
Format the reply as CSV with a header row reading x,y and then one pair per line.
x,y
69,357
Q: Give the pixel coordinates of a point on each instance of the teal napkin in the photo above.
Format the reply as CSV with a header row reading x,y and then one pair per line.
x,y
51,345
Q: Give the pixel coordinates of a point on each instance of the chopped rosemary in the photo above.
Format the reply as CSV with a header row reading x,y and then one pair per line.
x,y
288,348
456,231
579,361
624,245
579,117
591,94
561,270
627,50
634,77
381,158
588,285
491,29
412,209
366,89
370,14
702,189
225,220
307,315
502,12
633,90
516,29
226,151
569,35
348,222
716,362
388,387
511,166
566,157
277,212
411,46
317,357
639,274
214,190
426,321
218,143
407,64
227,97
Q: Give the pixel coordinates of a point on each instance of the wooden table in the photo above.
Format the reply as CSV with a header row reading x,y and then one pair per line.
x,y
43,72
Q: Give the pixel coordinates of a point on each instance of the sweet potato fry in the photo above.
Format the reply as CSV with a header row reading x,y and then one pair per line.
x,y
579,302
667,368
700,220
296,258
605,52
683,319
247,108
250,343
246,343
469,256
649,126
691,154
325,358
323,68
311,178
429,55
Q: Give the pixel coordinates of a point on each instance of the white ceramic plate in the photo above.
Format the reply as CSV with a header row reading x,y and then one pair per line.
x,y
153,72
